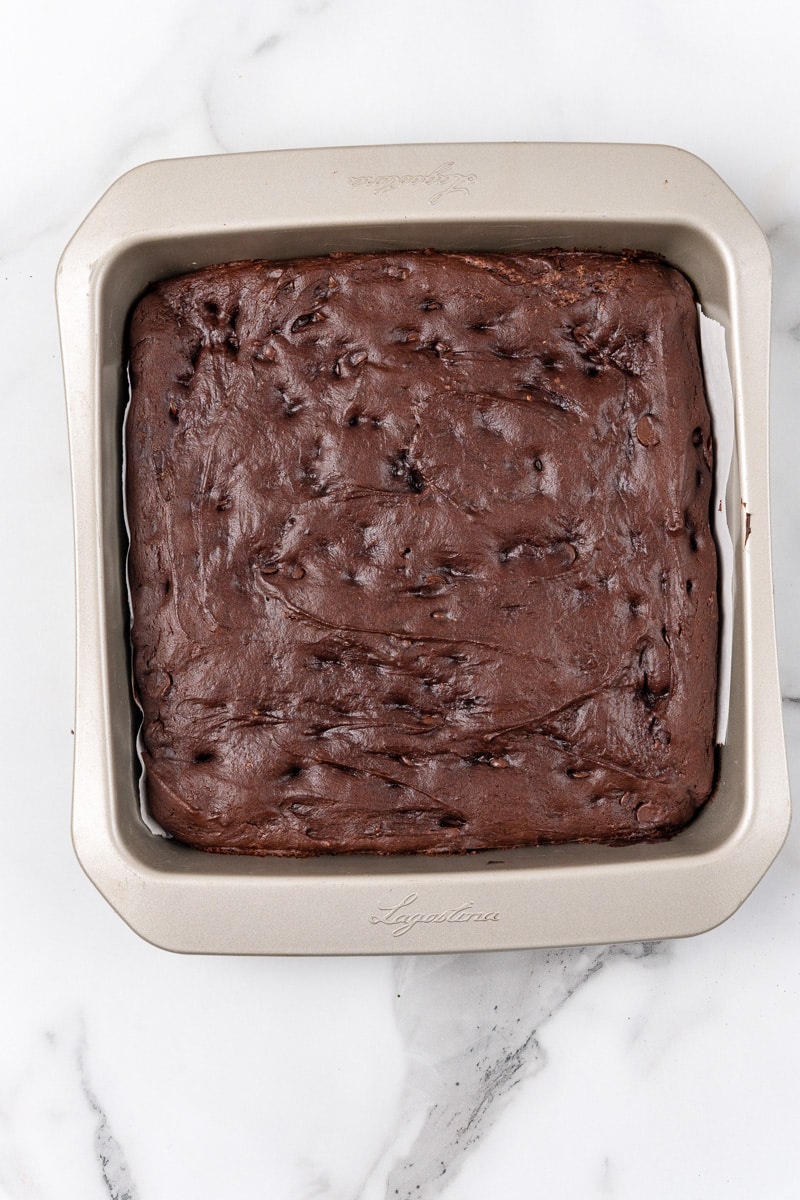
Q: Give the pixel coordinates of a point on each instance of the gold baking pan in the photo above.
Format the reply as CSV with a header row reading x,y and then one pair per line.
x,y
172,216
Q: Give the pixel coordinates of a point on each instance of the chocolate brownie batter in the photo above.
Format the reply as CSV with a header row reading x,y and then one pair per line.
x,y
420,552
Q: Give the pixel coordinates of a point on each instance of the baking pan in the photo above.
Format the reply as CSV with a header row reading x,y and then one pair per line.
x,y
168,217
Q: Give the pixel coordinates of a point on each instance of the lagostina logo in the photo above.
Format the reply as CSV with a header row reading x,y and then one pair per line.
x,y
404,916
442,181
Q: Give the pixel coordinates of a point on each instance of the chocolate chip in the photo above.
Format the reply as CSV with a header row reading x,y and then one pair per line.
x,y
452,821
306,319
158,683
646,814
646,431
563,554
402,468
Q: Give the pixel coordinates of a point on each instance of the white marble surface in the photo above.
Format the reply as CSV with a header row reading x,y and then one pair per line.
x,y
665,1070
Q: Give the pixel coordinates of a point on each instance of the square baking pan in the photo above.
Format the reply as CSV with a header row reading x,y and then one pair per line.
x,y
169,217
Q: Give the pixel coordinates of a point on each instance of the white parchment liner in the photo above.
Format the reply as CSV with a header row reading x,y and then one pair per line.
x,y
149,820
719,395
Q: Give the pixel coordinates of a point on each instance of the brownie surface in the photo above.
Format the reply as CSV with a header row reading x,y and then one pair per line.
x,y
420,553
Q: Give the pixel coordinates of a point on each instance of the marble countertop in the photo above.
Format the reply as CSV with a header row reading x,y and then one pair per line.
x,y
663,1070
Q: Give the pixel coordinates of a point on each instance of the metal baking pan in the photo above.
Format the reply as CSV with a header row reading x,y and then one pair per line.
x,y
172,216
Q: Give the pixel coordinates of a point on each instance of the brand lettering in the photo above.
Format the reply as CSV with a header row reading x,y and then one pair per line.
x,y
403,918
444,179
